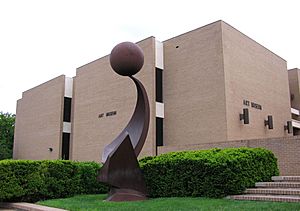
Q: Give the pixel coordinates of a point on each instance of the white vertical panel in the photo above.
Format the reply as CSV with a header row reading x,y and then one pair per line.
x,y
67,127
159,55
68,87
295,111
160,110
295,123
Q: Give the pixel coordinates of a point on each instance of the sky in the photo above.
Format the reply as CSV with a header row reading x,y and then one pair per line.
x,y
42,39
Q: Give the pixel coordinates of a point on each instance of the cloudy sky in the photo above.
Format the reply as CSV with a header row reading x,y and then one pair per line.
x,y
42,39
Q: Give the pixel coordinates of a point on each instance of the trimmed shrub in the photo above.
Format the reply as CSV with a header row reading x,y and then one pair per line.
x,y
209,173
25,180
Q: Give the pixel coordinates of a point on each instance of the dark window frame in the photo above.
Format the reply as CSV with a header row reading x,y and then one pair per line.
x,y
65,149
67,109
159,85
159,131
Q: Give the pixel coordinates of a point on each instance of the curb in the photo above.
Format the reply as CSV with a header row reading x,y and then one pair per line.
x,y
23,206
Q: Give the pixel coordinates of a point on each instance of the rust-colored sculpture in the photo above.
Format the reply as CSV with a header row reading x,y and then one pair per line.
x,y
120,166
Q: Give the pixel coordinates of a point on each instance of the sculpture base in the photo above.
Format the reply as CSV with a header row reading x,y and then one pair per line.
x,y
122,173
116,195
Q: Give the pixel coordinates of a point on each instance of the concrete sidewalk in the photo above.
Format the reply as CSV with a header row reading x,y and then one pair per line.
x,y
22,206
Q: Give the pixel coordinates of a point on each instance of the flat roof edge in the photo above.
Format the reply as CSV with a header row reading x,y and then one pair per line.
x,y
215,22
109,54
253,40
62,75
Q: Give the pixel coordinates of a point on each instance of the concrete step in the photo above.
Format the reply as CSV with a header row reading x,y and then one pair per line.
x,y
277,184
273,191
286,178
275,198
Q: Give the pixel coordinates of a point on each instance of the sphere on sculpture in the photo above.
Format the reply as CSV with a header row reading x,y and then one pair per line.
x,y
126,58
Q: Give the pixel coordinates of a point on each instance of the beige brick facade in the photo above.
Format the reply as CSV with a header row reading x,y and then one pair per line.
x,y
98,89
194,89
208,74
255,74
294,86
286,150
39,121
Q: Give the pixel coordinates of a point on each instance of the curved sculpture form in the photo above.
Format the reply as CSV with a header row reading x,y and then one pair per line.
x,y
120,169
137,127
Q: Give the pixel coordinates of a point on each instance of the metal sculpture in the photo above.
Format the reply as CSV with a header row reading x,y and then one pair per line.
x,y
120,169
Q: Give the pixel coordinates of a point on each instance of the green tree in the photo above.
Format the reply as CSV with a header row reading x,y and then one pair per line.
x,y
7,126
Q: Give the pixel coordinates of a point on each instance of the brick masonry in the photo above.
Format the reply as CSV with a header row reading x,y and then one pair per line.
x,y
39,121
98,89
208,73
285,149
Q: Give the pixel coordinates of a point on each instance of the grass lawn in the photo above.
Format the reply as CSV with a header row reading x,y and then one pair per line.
x,y
95,202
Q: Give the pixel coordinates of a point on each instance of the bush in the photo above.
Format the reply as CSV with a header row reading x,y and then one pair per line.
x,y
209,173
24,180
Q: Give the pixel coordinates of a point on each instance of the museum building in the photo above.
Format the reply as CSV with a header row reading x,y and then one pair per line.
x,y
209,87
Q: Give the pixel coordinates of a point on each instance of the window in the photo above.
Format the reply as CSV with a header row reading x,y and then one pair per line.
x,y
159,131
65,152
159,85
67,109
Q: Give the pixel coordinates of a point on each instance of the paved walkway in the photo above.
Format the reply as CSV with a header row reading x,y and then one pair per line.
x,y
20,206
3,209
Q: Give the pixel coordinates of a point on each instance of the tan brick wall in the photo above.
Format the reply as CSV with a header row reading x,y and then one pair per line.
x,y
98,89
39,121
208,72
294,86
285,149
254,73
194,87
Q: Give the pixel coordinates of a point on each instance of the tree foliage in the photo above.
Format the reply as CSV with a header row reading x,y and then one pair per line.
x,y
7,126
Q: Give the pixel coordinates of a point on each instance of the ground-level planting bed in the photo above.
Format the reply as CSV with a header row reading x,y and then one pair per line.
x,y
96,202
213,173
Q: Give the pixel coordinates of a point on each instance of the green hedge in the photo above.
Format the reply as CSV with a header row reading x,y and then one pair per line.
x,y
209,173
24,180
